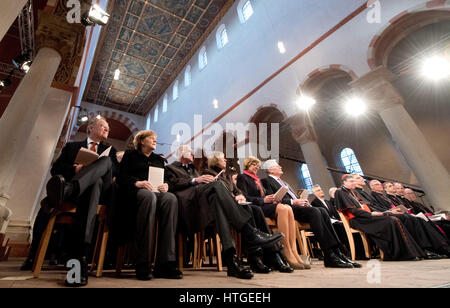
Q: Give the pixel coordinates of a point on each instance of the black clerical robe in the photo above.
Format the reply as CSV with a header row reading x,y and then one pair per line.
x,y
388,232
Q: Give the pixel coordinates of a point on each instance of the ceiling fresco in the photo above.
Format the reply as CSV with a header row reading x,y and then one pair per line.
x,y
149,42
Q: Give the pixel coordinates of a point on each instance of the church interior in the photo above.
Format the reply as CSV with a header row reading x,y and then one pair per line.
x,y
326,88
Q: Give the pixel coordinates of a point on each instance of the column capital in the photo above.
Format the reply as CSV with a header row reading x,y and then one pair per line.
x,y
376,86
67,39
302,128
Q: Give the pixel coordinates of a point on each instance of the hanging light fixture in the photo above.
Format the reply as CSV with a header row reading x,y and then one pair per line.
x,y
95,16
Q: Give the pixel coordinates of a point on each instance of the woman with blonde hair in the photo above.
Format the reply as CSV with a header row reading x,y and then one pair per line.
x,y
250,185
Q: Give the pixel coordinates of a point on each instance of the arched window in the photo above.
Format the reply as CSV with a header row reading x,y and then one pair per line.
x,y
306,177
175,91
155,117
245,10
164,109
202,58
149,120
187,76
221,36
350,162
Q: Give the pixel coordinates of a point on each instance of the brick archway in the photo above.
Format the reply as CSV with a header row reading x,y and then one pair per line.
x,y
110,115
316,78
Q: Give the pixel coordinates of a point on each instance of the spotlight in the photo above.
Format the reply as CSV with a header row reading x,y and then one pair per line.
x,y
23,62
436,68
305,102
83,116
355,107
6,82
95,16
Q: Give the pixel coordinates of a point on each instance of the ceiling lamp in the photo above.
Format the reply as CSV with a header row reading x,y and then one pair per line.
x,y
436,68
305,102
355,107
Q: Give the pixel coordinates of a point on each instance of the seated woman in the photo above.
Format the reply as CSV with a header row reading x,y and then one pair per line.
x,y
141,205
272,256
250,185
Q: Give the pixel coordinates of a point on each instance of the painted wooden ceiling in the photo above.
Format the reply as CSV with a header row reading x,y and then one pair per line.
x,y
149,42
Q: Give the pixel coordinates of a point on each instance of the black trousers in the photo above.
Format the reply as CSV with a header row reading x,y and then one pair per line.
x,y
164,206
423,233
94,182
226,211
320,224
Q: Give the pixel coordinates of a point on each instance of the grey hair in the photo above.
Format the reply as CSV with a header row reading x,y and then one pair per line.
x,y
213,158
92,121
183,149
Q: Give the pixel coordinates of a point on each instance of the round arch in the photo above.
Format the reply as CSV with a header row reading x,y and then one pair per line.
x,y
110,115
315,80
401,26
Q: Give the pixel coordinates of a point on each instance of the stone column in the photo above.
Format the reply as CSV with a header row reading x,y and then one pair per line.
x,y
434,178
59,44
21,114
38,153
303,132
10,10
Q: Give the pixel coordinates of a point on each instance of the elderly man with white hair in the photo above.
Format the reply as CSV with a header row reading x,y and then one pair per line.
x,y
202,200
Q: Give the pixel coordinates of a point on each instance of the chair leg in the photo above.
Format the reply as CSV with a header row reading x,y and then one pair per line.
x,y
102,254
304,249
195,253
43,245
366,245
217,246
180,252
119,260
96,247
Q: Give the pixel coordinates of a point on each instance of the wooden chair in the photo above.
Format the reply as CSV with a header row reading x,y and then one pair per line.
x,y
65,208
302,235
56,217
98,257
126,253
350,233
215,249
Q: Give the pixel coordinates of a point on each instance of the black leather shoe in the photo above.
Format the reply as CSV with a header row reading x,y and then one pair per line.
x,y
168,272
83,275
429,255
332,260
55,190
345,259
279,264
143,271
236,269
27,265
444,251
257,265
256,238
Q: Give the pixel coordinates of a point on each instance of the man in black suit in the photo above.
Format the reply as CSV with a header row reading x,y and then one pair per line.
x,y
221,208
320,202
82,185
317,218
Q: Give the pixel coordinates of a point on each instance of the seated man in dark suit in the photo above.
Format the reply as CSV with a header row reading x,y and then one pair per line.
x,y
417,207
83,185
317,218
219,207
320,202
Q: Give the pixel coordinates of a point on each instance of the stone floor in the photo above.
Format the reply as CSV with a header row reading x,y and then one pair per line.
x,y
433,273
